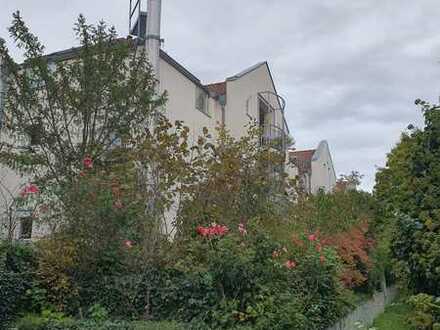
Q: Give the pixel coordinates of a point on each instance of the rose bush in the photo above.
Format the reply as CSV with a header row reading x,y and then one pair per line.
x,y
234,279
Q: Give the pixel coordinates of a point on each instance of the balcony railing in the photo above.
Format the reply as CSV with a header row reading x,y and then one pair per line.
x,y
274,136
273,126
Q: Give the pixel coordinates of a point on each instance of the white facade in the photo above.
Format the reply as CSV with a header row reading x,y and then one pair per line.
x,y
249,95
323,172
237,106
181,105
245,91
314,168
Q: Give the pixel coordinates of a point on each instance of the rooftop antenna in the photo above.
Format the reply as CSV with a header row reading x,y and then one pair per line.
x,y
145,24
152,39
134,18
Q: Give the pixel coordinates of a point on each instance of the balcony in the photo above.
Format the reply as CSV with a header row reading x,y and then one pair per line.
x,y
274,137
274,131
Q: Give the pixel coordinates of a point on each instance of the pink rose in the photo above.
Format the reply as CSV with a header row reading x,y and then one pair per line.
x,y
128,244
312,237
118,204
213,230
29,189
88,162
202,231
290,264
242,229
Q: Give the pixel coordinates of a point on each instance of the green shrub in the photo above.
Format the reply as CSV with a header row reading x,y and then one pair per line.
x,y
16,277
425,313
31,322
231,281
48,320
12,288
39,322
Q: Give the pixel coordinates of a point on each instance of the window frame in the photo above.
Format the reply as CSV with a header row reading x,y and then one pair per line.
x,y
27,221
199,92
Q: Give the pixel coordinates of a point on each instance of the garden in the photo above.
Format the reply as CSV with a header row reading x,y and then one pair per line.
x,y
146,228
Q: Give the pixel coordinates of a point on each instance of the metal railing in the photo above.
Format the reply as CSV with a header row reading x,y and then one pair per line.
x,y
274,136
274,131
274,101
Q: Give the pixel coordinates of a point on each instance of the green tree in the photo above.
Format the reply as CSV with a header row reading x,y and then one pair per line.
x,y
92,108
408,189
231,181
58,111
80,128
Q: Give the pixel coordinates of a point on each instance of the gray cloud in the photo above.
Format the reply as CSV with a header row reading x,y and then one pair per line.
x,y
350,70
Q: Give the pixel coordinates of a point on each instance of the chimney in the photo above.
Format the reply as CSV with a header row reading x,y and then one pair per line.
x,y
152,38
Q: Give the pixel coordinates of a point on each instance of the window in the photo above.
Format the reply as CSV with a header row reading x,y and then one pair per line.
x,y
35,134
202,101
26,228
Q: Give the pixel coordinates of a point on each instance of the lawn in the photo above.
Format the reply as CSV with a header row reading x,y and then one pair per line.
x,y
394,318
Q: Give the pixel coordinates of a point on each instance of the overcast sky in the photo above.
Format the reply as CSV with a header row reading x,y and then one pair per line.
x,y
350,70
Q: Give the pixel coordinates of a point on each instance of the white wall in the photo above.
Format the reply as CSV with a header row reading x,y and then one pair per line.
x,y
242,95
323,173
11,185
181,102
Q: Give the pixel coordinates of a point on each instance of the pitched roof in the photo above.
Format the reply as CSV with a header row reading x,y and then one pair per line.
x,y
217,88
74,52
302,159
179,67
253,68
246,71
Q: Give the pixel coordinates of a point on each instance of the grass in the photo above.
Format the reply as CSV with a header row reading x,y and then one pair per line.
x,y
394,318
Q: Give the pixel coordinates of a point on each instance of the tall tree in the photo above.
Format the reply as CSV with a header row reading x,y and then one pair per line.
x,y
409,190
89,110
60,110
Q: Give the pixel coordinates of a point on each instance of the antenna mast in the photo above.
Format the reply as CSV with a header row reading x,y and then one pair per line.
x,y
152,38
146,26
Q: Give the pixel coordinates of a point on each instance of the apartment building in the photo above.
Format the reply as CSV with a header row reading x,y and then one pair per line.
x,y
250,95
313,168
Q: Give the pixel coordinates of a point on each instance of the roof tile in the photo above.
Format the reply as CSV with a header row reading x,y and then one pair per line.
x,y
302,159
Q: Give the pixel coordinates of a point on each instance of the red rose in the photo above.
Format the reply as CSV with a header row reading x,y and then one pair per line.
x,y
202,231
28,190
213,230
88,162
